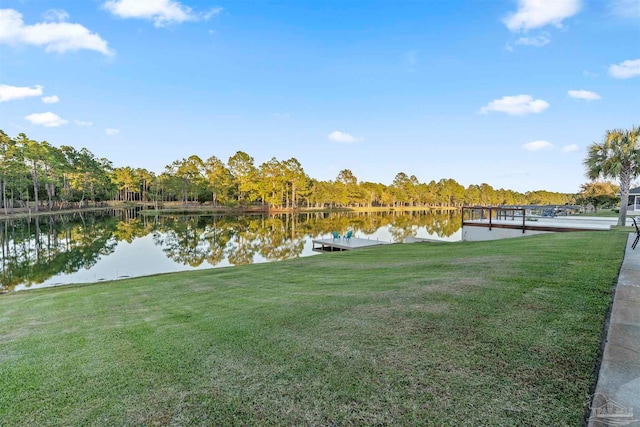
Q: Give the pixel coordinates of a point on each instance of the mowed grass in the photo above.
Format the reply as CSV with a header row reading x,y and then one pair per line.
x,y
487,333
604,213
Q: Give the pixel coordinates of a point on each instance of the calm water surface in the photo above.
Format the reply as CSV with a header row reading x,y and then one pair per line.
x,y
108,245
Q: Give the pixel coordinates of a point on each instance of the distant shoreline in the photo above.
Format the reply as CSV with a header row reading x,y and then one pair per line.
x,y
236,211
205,209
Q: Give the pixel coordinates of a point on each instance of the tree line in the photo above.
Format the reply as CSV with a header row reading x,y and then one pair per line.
x,y
41,175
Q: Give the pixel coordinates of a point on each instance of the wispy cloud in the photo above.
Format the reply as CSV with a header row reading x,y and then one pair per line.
x,y
584,94
46,119
82,123
342,137
53,99
55,15
537,145
9,93
516,105
542,145
161,12
54,36
629,9
626,69
533,14
111,131
212,12
589,74
537,41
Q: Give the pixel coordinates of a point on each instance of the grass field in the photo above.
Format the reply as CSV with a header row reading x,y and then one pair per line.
x,y
603,213
487,333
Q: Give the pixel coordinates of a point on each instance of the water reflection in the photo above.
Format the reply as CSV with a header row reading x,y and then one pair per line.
x,y
89,247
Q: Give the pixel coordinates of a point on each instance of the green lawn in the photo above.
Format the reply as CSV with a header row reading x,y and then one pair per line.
x,y
488,333
606,213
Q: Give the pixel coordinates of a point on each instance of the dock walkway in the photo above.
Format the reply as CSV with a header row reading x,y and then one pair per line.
x,y
332,245
546,224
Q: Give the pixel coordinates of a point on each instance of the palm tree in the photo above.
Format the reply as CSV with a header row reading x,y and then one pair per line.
x,y
616,157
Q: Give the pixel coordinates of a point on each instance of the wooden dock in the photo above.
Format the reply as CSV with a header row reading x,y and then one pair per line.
x,y
333,245
544,224
518,219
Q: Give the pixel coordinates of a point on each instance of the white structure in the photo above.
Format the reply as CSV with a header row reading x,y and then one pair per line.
x,y
478,230
634,201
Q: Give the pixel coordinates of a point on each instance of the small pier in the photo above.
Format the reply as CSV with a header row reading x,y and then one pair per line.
x,y
333,245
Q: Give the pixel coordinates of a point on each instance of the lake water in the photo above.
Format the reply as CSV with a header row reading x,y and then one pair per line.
x,y
115,244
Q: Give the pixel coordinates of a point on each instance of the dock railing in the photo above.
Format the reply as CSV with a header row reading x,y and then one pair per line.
x,y
483,215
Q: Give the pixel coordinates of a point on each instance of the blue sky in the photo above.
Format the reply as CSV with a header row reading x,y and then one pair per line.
x,y
504,92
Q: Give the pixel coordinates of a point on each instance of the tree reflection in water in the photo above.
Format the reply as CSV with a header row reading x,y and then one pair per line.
x,y
38,249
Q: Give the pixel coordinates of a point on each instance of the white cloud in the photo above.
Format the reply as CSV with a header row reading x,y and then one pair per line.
x,y
588,73
626,69
9,93
82,123
584,94
537,41
54,36
539,13
50,99
626,8
46,119
570,148
516,105
343,137
161,12
111,131
537,145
